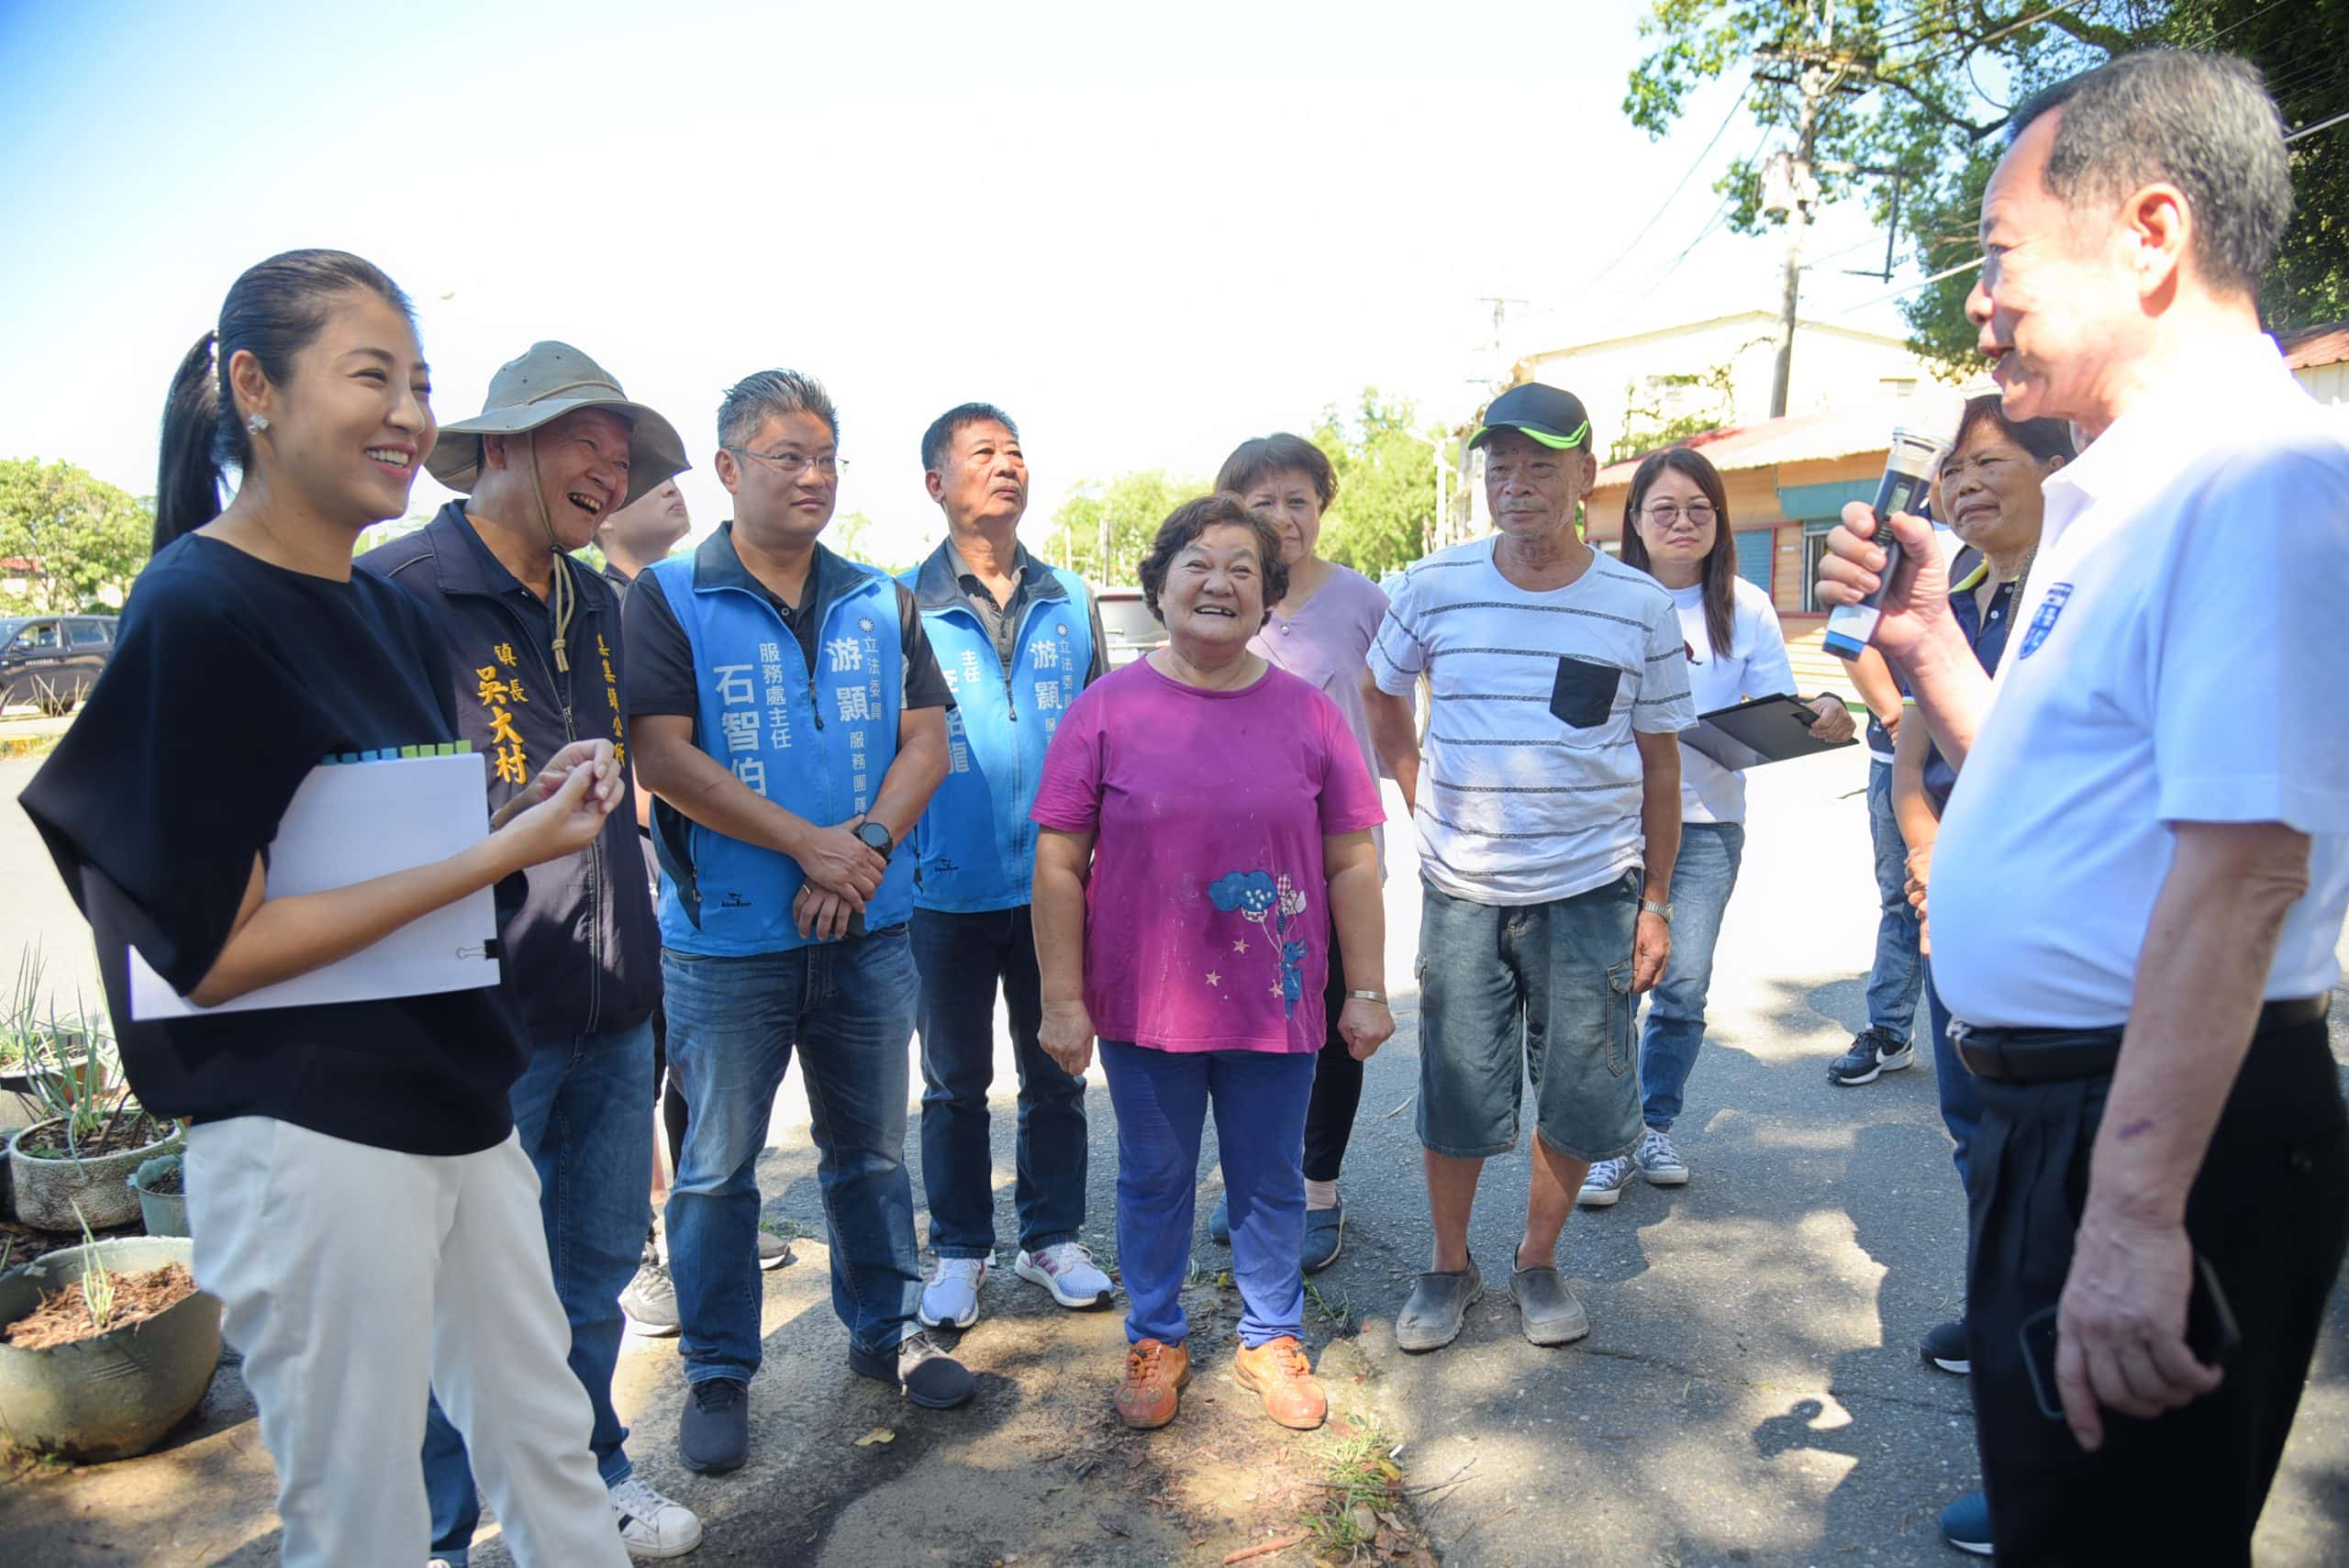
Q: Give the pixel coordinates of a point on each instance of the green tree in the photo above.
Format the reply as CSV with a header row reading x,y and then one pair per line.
x,y
1384,516
1909,97
1105,527
86,540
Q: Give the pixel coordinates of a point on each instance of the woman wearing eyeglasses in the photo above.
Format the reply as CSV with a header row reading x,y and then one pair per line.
x,y
1677,527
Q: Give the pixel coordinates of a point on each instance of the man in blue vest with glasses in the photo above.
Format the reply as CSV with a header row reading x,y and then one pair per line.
x,y
1018,640
791,719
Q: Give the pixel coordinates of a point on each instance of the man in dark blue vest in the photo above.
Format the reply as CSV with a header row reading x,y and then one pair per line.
x,y
1018,640
791,721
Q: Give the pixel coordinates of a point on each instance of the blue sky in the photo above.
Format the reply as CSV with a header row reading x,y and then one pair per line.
x,y
1148,237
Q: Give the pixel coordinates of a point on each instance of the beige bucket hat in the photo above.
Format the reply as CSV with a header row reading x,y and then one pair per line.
x,y
541,387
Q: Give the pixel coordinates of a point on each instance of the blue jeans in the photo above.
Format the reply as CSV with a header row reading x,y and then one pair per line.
x,y
1162,1098
1961,1096
579,1110
1894,979
848,1008
1702,880
1539,990
963,958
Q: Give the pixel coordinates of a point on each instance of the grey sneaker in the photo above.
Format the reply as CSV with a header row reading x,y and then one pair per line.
x,y
1552,1314
650,1302
1603,1187
1438,1305
1659,1162
775,1248
928,1376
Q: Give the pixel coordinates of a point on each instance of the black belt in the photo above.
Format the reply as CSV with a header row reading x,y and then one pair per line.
x,y
2048,1056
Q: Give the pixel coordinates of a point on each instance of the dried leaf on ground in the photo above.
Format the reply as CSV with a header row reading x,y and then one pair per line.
x,y
877,1435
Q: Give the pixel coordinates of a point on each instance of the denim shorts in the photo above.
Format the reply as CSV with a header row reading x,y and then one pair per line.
x,y
1538,990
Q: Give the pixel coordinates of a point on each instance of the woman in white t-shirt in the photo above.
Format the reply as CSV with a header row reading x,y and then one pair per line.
x,y
1677,527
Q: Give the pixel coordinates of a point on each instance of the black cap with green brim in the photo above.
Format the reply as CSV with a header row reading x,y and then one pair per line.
x,y
1550,415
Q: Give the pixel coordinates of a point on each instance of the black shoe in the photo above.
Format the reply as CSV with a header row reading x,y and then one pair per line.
x,y
1872,1054
930,1377
714,1434
1946,1347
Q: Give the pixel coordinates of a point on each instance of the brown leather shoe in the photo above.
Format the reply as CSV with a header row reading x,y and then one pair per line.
x,y
1152,1390
1277,1370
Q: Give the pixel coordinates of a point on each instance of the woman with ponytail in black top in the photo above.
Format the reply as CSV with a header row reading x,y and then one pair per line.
x,y
358,1200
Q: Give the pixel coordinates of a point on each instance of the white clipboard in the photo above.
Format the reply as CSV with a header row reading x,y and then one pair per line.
x,y
352,822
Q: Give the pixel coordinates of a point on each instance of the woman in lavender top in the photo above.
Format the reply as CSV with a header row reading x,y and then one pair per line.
x,y
1320,630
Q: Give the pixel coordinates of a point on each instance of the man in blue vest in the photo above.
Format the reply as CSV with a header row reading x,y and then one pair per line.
x,y
791,721
1018,640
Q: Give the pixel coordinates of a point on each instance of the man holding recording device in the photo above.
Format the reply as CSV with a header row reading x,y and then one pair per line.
x,y
2142,874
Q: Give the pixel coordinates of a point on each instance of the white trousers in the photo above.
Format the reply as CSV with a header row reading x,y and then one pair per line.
x,y
354,1277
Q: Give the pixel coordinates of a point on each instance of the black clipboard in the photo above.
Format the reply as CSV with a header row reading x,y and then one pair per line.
x,y
1767,730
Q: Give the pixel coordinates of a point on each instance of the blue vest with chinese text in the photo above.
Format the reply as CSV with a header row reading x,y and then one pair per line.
x,y
817,747
976,845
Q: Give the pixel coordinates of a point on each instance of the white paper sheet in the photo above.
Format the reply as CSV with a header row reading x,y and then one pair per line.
x,y
352,822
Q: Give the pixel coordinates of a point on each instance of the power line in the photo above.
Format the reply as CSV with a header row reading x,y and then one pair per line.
x,y
2207,39
1720,216
1907,288
2322,125
1680,185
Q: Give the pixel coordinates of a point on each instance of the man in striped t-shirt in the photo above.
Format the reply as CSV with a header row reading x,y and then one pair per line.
x,y
1548,801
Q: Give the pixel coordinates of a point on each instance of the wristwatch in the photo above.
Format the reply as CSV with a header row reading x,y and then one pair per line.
x,y
876,838
1661,911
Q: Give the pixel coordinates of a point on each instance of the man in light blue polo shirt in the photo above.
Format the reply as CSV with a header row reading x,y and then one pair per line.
x,y
789,715
1017,639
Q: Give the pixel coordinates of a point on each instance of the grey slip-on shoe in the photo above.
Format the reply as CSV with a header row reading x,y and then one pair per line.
x,y
1431,1318
1553,1315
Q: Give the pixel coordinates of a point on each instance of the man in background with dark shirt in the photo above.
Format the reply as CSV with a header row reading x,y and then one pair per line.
x,y
791,719
534,638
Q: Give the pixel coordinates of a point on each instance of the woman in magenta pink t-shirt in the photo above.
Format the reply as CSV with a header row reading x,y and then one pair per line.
x,y
1205,818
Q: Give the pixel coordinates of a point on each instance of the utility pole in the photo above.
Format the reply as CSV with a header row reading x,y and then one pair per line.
x,y
1793,181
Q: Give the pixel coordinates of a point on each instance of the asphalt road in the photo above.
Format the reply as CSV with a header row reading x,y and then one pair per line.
x,y
1750,1392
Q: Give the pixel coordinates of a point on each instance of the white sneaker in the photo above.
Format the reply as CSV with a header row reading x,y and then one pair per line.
x,y
1604,1187
951,1299
1068,1270
652,1525
1659,1162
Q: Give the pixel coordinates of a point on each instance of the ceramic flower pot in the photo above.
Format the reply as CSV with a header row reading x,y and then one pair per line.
x,y
48,1187
115,1394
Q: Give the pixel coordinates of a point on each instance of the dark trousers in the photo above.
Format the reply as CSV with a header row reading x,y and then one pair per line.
x,y
2270,1210
963,959
665,1091
1336,1081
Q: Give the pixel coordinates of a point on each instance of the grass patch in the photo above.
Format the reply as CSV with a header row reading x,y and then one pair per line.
x,y
29,745
1363,1515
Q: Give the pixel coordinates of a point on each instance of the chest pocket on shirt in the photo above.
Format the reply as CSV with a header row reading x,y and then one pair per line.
x,y
1585,693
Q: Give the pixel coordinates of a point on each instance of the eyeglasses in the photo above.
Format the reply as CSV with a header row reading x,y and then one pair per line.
x,y
1666,514
791,465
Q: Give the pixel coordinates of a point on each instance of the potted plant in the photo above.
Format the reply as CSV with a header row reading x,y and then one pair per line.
x,y
30,1027
160,1183
77,1159
103,1348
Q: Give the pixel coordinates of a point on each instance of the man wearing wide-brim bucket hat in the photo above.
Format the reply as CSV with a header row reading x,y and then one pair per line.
x,y
534,644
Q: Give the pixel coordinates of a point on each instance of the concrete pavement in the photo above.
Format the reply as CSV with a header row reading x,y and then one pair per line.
x,y
1750,1392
